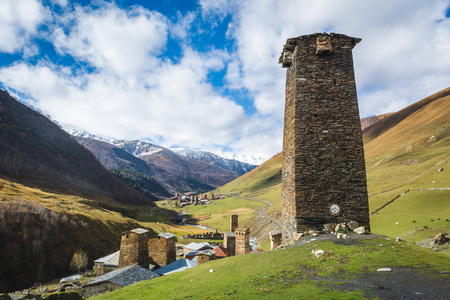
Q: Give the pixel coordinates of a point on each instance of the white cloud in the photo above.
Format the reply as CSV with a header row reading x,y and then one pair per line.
x,y
19,20
136,92
173,105
404,43
124,42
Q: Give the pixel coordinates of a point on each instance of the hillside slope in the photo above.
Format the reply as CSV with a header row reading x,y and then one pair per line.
x,y
130,169
55,198
213,159
157,170
35,150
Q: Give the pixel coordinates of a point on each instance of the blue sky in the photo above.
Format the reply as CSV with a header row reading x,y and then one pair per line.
x,y
204,74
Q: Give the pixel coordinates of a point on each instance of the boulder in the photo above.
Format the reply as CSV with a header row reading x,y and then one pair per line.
x,y
298,235
440,239
319,253
360,230
341,236
328,227
352,225
340,227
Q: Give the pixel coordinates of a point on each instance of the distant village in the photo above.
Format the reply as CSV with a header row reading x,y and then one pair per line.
x,y
192,198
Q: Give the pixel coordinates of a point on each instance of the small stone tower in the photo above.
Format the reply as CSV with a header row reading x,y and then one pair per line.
x,y
134,248
275,239
229,242
162,249
242,240
233,222
323,174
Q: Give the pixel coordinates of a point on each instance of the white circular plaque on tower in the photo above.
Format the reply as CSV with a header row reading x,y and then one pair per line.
x,y
335,209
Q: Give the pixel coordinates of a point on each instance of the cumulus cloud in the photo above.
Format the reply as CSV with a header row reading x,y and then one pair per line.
x,y
136,91
405,44
124,42
19,20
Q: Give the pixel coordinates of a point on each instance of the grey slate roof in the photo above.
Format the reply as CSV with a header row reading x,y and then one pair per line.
x,y
166,235
109,260
177,266
139,230
207,252
125,276
199,246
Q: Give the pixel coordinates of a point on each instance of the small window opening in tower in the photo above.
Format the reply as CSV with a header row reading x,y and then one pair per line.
x,y
334,81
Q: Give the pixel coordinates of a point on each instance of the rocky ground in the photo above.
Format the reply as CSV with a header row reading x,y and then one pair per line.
x,y
398,283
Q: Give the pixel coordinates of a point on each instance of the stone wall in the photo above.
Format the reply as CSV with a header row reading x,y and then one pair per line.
x,y
323,173
162,251
205,257
229,242
275,239
100,288
134,248
100,269
205,236
242,240
233,222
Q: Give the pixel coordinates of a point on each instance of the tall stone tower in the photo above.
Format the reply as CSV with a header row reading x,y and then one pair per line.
x,y
233,222
242,240
323,174
134,248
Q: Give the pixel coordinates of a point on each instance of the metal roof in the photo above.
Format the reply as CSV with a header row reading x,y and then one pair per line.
x,y
198,246
109,260
177,266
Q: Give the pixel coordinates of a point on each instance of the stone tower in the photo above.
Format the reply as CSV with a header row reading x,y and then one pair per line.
x,y
162,249
323,174
242,240
134,248
233,222
275,239
229,242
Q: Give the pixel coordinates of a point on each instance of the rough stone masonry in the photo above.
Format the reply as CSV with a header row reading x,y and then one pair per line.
x,y
323,174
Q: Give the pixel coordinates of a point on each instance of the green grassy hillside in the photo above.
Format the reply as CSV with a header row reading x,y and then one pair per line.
x,y
404,153
348,270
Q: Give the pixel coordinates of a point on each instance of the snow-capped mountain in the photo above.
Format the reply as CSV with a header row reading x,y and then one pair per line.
x,y
227,160
211,158
249,159
87,135
137,148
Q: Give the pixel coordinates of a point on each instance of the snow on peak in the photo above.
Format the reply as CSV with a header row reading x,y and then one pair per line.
x,y
84,134
137,148
250,159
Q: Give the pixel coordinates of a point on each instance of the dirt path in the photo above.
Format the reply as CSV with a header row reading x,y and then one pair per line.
x,y
262,210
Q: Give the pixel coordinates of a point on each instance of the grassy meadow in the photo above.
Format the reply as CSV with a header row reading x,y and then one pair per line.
x,y
290,273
